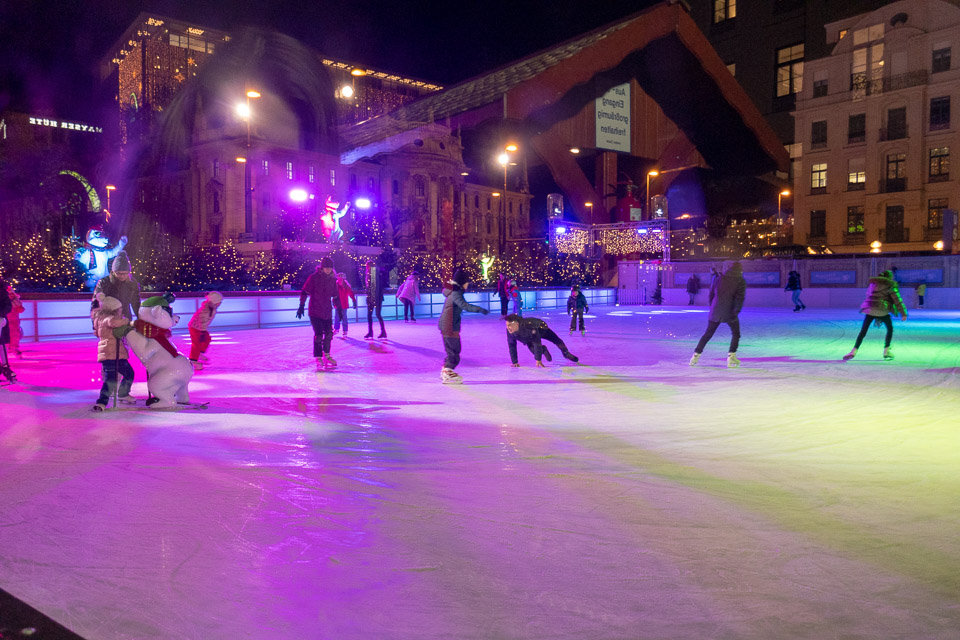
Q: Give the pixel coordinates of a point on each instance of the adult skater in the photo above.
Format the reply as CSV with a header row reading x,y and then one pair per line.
x,y
376,283
120,285
408,294
883,297
345,291
793,284
693,287
503,283
453,306
6,306
532,332
726,300
321,288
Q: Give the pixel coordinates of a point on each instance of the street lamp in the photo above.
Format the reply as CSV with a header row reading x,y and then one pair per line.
x,y
243,110
504,160
106,212
779,214
653,173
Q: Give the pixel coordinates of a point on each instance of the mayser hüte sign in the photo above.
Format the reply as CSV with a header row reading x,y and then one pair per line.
x,y
613,119
63,124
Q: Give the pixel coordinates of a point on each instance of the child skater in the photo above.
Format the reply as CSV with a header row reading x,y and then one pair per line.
x,y
199,325
321,288
453,306
13,320
883,297
576,305
516,298
409,293
6,306
345,293
111,352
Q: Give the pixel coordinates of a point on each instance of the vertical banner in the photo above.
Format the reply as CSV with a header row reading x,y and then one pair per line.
x,y
613,119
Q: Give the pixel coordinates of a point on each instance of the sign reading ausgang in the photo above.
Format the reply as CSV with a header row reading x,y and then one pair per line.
x,y
613,119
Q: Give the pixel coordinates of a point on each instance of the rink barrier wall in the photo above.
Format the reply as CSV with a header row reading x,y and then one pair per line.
x,y
51,316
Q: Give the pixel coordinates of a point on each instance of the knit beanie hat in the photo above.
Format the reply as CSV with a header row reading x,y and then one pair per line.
x,y
108,302
459,277
121,264
326,262
215,297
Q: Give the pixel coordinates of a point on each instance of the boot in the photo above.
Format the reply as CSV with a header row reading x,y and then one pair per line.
x,y
732,360
449,376
796,308
383,334
887,353
328,360
569,356
369,334
850,355
546,354
694,358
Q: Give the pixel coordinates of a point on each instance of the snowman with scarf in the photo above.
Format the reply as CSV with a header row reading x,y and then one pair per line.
x,y
94,255
149,338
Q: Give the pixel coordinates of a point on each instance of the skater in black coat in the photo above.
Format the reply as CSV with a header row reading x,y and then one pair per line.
x,y
531,332
726,300
6,306
793,284
321,288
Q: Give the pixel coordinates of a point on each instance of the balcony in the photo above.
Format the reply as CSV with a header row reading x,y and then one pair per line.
x,y
932,234
895,235
861,85
898,132
856,186
892,185
855,238
939,177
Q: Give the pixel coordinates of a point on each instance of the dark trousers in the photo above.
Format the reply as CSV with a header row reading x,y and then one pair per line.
x,y
712,329
577,313
451,344
322,335
371,307
549,335
796,298
407,307
503,305
110,369
341,317
887,322
199,341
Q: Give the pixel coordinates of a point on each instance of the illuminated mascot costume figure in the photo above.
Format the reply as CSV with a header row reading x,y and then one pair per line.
x,y
149,338
94,255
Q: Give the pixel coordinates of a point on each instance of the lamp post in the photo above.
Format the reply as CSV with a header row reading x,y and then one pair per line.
x,y
106,212
653,173
779,214
244,111
504,160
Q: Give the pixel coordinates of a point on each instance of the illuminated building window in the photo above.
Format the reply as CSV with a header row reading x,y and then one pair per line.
x,y
789,70
724,10
935,209
818,178
855,220
856,174
289,171
896,172
941,58
265,167
310,174
939,164
333,178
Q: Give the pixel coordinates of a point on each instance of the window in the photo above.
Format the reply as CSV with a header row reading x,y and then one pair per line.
x,y
896,172
819,84
724,10
857,128
371,184
855,220
476,202
419,188
789,70
856,174
289,171
353,181
216,202
935,209
941,58
818,223
939,164
866,70
894,230
896,123
488,204
489,224
939,113
216,168
732,68
396,187
333,178
818,134
265,167
476,224
311,175
818,178
510,207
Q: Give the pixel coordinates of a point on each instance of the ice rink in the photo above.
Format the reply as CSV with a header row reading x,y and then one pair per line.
x,y
628,497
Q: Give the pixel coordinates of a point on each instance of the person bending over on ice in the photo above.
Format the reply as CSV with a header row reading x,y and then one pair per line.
x,y
321,288
883,297
453,306
726,300
531,332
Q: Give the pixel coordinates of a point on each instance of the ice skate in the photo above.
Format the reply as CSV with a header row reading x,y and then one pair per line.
x,y
732,361
694,358
8,373
571,332
382,336
369,335
319,364
336,331
98,408
197,365
569,356
583,333
203,358
887,353
796,308
344,333
449,376
127,399
413,320
850,355
328,361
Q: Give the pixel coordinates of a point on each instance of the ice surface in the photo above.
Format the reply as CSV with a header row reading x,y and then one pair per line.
x,y
631,497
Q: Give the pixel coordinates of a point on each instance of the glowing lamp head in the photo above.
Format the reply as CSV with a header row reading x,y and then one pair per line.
x,y
938,245
784,193
574,150
298,195
875,245
241,160
243,110
358,72
362,203
560,230
653,173
111,187
346,91
503,159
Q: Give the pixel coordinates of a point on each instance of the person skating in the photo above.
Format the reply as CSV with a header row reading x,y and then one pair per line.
x,y
693,287
503,292
883,297
6,306
111,352
13,321
793,284
321,288
199,328
375,284
576,306
120,284
449,324
727,294
532,332
346,294
409,294
921,292
516,300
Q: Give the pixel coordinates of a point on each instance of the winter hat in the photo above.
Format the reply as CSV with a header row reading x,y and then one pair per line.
x,y
459,278
575,287
121,264
887,274
215,297
326,262
108,302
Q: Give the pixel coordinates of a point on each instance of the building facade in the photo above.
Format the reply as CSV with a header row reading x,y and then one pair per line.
x,y
877,131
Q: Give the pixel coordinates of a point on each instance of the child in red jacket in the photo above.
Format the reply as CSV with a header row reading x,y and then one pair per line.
x,y
199,325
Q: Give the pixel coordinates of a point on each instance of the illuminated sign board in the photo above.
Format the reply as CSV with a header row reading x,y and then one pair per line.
x,y
63,124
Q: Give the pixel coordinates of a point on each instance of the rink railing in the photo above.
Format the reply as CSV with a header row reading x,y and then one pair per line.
x,y
65,315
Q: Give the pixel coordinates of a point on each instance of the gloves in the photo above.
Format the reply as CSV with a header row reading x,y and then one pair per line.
x,y
485,312
300,312
586,309
354,304
120,332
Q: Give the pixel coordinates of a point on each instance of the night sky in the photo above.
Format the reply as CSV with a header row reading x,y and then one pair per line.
x,y
49,49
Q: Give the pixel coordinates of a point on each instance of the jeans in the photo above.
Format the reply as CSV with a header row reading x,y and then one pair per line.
x,y
577,313
371,307
110,369
199,341
407,307
887,322
341,316
451,344
322,335
712,328
518,306
796,298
